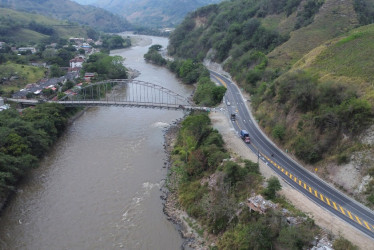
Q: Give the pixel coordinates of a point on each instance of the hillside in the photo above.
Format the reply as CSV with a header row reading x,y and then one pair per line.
x,y
71,11
151,13
25,28
308,66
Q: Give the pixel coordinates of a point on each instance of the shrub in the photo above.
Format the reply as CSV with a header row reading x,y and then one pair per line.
x,y
252,166
343,244
306,149
273,186
279,131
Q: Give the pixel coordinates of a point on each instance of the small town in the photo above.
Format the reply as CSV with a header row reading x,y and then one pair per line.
x,y
47,87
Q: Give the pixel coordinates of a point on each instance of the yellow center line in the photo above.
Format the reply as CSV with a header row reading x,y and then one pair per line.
x,y
310,189
342,210
327,200
282,169
315,192
223,83
300,182
295,179
358,220
286,173
350,215
335,205
366,224
291,176
321,197
304,186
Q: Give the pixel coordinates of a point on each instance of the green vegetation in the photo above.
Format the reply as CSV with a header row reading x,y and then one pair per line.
x,y
22,73
343,244
272,188
107,67
190,71
26,28
325,95
111,42
242,34
307,66
69,10
26,138
365,11
305,17
154,56
153,13
213,191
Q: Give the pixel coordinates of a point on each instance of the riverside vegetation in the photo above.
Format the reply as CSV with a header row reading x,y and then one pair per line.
x,y
308,66
212,188
207,93
26,138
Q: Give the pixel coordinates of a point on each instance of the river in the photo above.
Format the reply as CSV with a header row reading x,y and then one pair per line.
x,y
99,187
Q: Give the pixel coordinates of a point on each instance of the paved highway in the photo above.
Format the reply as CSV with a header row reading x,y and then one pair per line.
x,y
301,179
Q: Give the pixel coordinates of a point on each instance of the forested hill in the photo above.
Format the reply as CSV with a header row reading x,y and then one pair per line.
x,y
152,13
72,11
308,65
21,28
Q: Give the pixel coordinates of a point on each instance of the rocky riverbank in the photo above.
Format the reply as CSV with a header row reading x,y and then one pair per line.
x,y
179,217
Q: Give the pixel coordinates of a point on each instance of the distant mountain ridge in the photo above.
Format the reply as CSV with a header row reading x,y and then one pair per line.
x,y
71,11
152,13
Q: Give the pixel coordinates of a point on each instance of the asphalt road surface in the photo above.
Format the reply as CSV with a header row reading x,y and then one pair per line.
x,y
301,179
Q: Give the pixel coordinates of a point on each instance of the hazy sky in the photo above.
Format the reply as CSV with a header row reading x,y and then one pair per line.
x,y
85,1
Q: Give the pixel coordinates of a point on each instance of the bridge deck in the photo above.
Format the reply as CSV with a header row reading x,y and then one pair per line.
x,y
111,103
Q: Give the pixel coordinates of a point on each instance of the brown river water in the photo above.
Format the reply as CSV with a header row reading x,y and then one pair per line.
x,y
99,187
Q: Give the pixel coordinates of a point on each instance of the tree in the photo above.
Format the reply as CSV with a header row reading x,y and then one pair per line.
x,y
55,71
273,186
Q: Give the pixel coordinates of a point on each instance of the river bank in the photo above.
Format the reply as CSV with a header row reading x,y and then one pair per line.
x,y
171,209
191,230
99,187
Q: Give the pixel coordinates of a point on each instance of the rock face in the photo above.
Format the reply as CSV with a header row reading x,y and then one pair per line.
x,y
353,176
259,204
368,136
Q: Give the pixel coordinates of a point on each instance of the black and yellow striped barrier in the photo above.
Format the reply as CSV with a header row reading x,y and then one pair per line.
x,y
322,197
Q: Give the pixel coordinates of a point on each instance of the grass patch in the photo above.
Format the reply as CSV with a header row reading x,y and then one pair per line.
x,y
25,73
284,203
351,57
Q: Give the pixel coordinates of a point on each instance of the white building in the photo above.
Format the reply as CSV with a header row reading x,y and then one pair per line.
x,y
25,49
76,62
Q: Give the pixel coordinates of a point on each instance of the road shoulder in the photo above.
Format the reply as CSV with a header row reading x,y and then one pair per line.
x,y
322,217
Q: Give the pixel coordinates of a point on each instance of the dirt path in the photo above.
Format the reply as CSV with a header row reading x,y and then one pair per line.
x,y
322,217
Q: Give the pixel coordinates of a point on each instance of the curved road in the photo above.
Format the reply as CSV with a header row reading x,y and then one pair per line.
x,y
301,179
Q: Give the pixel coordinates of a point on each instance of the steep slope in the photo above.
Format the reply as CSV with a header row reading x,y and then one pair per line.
x,y
335,18
309,71
153,13
25,28
68,10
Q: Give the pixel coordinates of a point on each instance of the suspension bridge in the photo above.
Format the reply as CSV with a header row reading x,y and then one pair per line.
x,y
120,92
